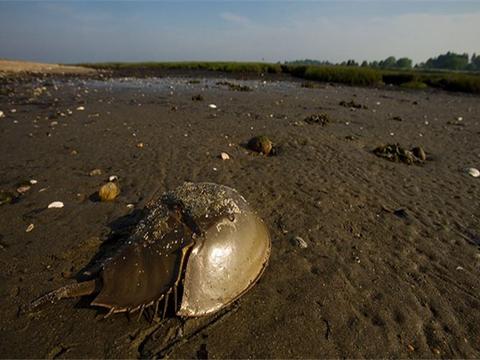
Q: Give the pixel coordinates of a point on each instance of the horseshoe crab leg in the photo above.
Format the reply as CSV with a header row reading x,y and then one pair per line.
x,y
67,291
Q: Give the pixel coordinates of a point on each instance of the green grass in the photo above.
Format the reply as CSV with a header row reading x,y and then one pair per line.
x,y
350,75
229,67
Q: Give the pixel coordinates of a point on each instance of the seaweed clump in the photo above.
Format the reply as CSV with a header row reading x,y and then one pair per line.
x,y
319,119
352,105
234,87
260,144
396,153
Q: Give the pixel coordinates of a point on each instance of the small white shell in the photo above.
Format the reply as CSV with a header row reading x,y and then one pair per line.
x,y
298,241
80,108
2,114
112,178
224,156
473,172
212,106
55,205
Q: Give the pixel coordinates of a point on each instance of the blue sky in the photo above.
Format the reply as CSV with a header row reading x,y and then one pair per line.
x,y
82,31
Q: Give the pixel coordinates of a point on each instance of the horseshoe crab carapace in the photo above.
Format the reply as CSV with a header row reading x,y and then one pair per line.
x,y
202,238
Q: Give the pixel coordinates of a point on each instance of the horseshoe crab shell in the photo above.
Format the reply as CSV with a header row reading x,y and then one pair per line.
x,y
201,237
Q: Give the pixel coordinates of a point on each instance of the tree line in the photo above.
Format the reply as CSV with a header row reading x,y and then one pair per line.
x,y
448,61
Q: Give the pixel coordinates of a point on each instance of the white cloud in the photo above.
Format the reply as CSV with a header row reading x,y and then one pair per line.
x,y
235,18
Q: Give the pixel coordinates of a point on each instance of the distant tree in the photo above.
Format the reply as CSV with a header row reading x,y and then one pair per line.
x,y
389,62
404,63
364,63
450,61
374,64
475,62
352,63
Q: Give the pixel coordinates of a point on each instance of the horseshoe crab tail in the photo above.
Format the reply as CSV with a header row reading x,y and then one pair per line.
x,y
67,291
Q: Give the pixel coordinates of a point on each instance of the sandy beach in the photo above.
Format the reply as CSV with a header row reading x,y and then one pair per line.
x,y
391,266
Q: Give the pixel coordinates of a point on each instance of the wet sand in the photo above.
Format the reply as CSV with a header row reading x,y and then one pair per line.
x,y
393,260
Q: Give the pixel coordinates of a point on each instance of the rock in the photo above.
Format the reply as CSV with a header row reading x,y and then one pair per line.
x,y
55,205
95,172
298,241
224,156
109,191
473,172
260,144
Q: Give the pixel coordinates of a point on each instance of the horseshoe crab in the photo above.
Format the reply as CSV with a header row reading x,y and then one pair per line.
x,y
200,243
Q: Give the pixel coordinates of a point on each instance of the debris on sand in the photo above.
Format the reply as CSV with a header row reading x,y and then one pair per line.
x,y
473,172
419,153
394,152
55,205
198,97
260,144
109,191
6,197
320,119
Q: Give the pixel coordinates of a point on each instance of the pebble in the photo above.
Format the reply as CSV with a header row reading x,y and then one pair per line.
x,y
55,205
212,106
298,241
33,181
29,228
80,108
2,114
225,156
473,172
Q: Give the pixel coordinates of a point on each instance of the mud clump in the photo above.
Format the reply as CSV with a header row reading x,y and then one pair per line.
x,y
396,153
260,144
317,119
